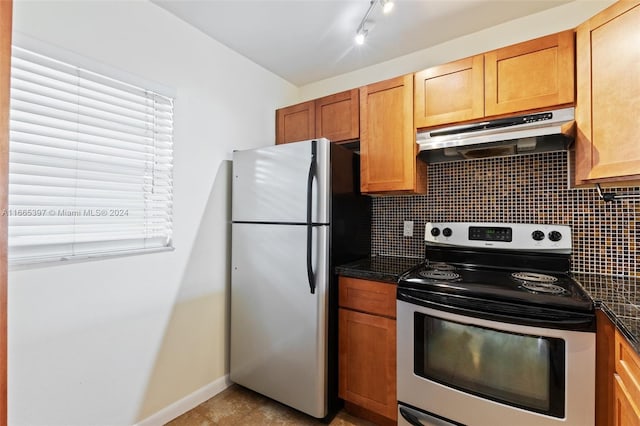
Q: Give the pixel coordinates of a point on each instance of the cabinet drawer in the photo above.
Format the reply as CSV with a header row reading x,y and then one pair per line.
x,y
367,296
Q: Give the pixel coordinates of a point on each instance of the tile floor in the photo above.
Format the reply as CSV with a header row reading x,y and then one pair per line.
x,y
240,406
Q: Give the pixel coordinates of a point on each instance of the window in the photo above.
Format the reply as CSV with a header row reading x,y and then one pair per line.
x,y
90,163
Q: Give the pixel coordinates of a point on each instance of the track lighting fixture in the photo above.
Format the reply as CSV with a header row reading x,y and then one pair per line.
x,y
361,32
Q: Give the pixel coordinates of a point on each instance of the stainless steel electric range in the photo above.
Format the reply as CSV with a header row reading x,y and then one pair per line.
x,y
493,330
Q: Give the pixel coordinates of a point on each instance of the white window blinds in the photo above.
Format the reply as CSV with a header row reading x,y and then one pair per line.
x,y
90,163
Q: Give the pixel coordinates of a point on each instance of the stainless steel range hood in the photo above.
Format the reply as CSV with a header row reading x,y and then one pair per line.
x,y
523,134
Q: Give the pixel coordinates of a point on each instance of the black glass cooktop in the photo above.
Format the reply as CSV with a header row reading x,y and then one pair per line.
x,y
541,279
550,289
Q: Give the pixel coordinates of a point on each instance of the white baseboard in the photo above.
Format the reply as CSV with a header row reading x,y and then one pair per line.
x,y
187,403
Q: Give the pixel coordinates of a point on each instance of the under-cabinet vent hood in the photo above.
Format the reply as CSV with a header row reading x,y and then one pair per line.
x,y
523,134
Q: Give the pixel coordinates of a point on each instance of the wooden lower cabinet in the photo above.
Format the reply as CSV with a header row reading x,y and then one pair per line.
x,y
625,412
605,369
367,361
627,384
367,356
617,377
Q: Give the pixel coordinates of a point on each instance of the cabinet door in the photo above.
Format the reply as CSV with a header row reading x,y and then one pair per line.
x,y
367,362
449,93
387,138
626,383
338,116
530,75
296,123
625,411
608,107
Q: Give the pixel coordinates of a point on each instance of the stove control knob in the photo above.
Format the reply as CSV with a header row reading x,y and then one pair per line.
x,y
435,231
537,235
447,232
555,236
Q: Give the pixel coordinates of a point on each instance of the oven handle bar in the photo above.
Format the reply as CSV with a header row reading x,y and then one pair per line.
x,y
420,418
570,321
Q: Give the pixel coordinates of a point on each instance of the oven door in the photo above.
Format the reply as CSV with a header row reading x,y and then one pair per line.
x,y
476,371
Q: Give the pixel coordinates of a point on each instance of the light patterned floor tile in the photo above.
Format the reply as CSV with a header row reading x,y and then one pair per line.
x,y
238,406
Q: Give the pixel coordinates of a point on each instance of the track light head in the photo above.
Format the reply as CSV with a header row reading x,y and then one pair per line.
x,y
387,6
361,33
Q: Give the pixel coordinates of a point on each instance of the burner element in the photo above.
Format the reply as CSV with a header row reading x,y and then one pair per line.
x,y
538,283
440,275
544,288
441,266
534,277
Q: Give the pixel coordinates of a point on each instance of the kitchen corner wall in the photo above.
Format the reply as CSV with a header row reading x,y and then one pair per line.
x,y
117,341
522,189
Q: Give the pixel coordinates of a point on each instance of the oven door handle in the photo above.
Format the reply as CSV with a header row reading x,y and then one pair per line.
x,y
420,418
541,318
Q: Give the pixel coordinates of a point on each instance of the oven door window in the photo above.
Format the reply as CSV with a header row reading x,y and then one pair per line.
x,y
515,369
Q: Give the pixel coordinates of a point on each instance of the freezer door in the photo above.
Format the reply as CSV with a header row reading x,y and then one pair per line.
x,y
278,327
270,184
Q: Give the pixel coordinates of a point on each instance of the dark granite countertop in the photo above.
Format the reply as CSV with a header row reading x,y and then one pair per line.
x,y
378,268
619,299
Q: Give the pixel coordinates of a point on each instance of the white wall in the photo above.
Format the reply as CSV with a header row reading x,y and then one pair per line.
x,y
111,342
550,21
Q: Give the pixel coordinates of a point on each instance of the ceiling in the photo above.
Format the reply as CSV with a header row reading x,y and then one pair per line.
x,y
304,41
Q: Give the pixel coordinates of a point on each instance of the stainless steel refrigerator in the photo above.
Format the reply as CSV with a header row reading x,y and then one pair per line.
x,y
296,214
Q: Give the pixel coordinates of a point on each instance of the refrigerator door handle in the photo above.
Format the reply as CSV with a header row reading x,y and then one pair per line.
x,y
312,174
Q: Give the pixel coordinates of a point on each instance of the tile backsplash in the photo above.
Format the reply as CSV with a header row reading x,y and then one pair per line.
x,y
521,189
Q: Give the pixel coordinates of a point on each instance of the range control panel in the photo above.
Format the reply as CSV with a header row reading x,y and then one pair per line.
x,y
490,233
510,236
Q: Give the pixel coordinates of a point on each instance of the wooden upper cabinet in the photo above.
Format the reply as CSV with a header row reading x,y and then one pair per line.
x,y
387,138
449,93
534,75
530,75
335,117
608,95
296,123
338,116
